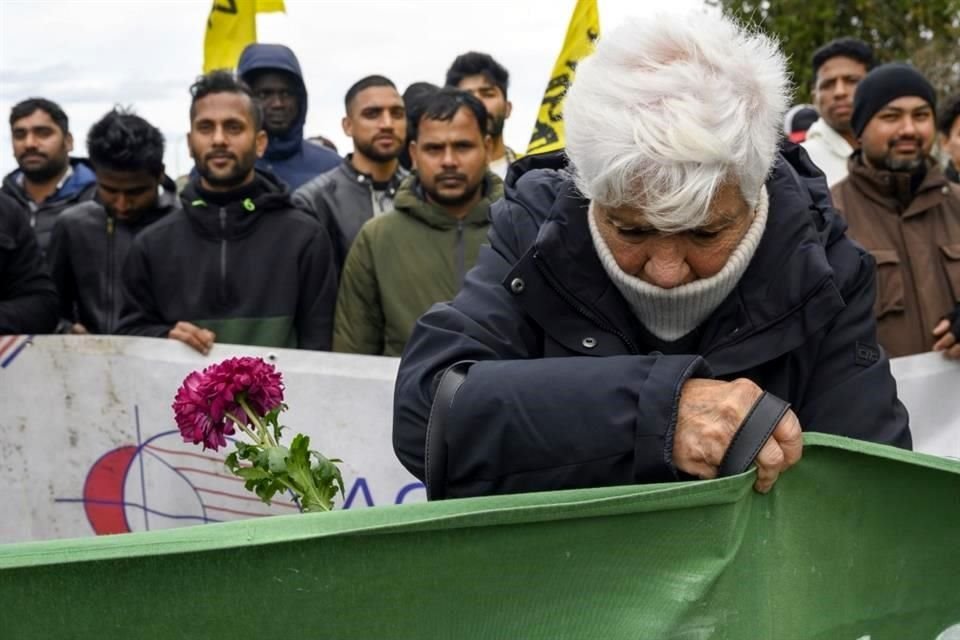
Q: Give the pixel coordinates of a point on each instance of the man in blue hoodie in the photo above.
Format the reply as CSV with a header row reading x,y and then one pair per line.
x,y
273,72
47,179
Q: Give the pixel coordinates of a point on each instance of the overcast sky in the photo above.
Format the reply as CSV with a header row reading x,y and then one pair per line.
x,y
88,55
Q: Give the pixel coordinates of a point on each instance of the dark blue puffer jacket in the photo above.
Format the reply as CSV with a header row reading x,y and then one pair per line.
x,y
289,157
566,389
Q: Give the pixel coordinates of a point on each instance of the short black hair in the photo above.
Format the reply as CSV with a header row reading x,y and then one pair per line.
x,y
848,48
475,63
30,105
123,141
949,113
224,81
414,100
366,83
445,103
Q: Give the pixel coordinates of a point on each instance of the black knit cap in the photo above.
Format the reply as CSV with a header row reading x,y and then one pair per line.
x,y
883,85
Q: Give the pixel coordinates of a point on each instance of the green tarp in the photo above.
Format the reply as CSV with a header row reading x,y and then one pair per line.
x,y
858,541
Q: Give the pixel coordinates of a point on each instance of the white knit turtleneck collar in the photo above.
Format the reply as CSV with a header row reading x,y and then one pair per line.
x,y
670,314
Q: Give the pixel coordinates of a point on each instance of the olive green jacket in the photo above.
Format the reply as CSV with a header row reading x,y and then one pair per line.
x,y
403,262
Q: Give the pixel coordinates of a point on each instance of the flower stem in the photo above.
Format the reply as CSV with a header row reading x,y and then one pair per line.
x,y
267,437
244,428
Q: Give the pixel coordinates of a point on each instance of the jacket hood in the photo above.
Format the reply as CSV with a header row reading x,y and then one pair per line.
x,y
240,216
82,179
410,200
277,57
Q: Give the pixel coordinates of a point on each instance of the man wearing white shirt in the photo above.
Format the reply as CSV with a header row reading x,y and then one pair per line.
x,y
837,67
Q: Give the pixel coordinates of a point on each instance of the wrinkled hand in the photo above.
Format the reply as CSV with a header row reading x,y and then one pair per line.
x,y
198,338
78,329
708,416
946,341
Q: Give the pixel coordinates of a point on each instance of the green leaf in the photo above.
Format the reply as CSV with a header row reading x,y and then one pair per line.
x,y
252,473
276,458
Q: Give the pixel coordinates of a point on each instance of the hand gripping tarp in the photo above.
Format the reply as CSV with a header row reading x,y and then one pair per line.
x,y
857,541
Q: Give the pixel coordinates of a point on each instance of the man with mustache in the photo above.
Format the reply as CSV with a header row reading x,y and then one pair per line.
x,y
238,263
418,254
273,72
487,80
48,180
837,68
904,211
364,184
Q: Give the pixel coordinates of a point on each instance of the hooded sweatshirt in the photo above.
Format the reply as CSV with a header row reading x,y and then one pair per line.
x,y
254,270
88,248
292,159
79,185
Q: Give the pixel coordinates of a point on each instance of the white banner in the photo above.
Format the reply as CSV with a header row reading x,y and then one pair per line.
x,y
88,443
929,385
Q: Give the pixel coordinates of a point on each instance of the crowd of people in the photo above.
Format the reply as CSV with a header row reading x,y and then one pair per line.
x,y
682,234
272,239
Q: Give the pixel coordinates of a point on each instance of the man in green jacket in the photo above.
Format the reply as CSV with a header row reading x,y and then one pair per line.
x,y
403,262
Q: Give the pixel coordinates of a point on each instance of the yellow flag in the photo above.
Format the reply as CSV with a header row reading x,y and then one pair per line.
x,y
232,25
582,33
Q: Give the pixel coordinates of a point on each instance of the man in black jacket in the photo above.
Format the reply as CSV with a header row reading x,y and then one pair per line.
x,y
648,313
47,179
90,240
238,263
28,299
364,184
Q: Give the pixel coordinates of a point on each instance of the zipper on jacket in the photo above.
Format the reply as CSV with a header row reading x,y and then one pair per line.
x,y
223,255
110,289
580,308
460,251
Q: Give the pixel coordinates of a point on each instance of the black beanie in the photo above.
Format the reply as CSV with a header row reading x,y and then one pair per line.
x,y
882,86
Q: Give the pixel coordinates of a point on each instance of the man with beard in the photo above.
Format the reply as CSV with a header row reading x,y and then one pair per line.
x,y
418,254
91,240
837,68
238,263
273,72
901,208
48,180
364,184
486,79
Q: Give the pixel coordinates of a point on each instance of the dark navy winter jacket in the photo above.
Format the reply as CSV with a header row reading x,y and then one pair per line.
x,y
79,187
289,156
566,389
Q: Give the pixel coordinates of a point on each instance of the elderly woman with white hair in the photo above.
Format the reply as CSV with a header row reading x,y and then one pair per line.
x,y
679,301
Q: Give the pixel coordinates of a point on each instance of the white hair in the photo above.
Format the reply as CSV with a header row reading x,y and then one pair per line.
x,y
669,108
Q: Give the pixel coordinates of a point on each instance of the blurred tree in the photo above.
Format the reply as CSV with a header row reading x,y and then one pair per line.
x,y
925,33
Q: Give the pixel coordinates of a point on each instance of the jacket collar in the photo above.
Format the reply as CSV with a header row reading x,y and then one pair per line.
x,y
826,134
410,200
78,178
786,293
240,217
365,178
893,190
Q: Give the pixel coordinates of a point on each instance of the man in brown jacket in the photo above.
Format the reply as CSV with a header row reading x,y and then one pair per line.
x,y
902,209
